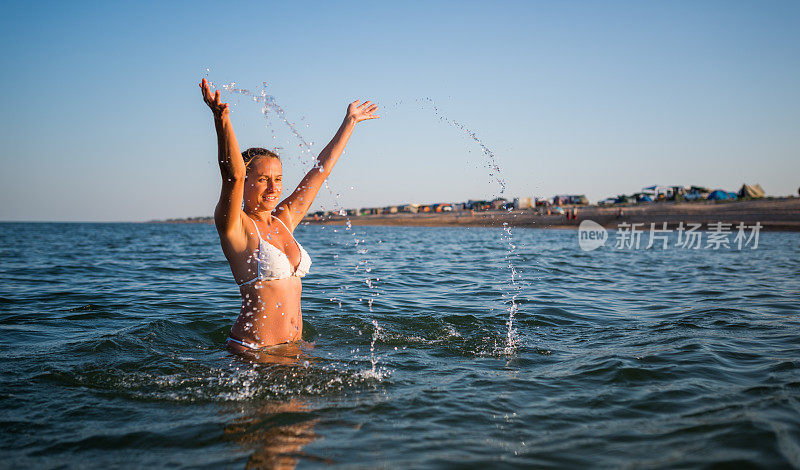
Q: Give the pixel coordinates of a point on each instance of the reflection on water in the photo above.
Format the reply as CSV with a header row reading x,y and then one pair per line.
x,y
275,431
274,434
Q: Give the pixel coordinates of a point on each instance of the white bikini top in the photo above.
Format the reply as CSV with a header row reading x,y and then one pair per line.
x,y
272,263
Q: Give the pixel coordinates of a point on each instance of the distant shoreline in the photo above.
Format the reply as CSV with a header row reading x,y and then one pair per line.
x,y
778,214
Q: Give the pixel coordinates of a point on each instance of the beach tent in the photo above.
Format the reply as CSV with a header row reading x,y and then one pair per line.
x,y
718,195
696,192
499,203
622,199
656,189
732,196
751,192
644,198
658,192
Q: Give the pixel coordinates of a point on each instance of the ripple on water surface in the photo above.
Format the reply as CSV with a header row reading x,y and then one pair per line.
x,y
657,359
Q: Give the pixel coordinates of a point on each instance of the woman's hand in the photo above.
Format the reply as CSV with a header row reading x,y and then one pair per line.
x,y
219,109
361,112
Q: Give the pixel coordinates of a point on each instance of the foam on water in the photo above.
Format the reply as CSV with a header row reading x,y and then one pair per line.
x,y
156,372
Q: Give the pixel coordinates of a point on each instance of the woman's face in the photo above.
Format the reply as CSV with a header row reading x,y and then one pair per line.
x,y
263,186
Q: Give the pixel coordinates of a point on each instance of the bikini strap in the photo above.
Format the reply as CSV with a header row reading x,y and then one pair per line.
x,y
258,232
284,225
257,257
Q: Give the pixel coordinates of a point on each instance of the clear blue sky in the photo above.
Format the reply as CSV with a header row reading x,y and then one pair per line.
x,y
103,118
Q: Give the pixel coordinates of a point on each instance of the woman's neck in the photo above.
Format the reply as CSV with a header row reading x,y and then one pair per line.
x,y
263,216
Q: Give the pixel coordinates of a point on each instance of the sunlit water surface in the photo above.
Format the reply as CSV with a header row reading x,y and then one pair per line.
x,y
112,352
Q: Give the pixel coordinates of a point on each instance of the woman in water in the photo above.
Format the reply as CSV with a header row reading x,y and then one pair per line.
x,y
255,228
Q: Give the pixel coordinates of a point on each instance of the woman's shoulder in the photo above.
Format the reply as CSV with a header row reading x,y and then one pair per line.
x,y
284,217
237,235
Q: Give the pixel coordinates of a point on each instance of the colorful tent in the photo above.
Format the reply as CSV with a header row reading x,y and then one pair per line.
x,y
751,192
718,195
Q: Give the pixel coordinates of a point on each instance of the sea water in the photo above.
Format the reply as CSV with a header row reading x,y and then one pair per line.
x,y
112,353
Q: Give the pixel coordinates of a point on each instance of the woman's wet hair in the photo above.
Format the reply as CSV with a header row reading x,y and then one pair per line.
x,y
253,153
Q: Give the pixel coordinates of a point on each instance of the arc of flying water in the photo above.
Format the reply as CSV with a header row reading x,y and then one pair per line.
x,y
512,336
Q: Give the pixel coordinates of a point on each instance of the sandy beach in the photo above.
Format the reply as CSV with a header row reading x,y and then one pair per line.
x,y
778,214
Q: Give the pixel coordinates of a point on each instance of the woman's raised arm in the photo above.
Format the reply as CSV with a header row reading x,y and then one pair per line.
x,y
295,207
227,215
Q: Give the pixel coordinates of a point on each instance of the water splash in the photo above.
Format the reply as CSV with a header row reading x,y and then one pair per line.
x,y
507,238
375,372
270,105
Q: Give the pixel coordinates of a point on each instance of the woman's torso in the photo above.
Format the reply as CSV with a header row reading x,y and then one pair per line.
x,y
270,312
268,273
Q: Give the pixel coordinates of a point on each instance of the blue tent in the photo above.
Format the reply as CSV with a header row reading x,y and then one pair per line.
x,y
733,196
645,198
718,195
